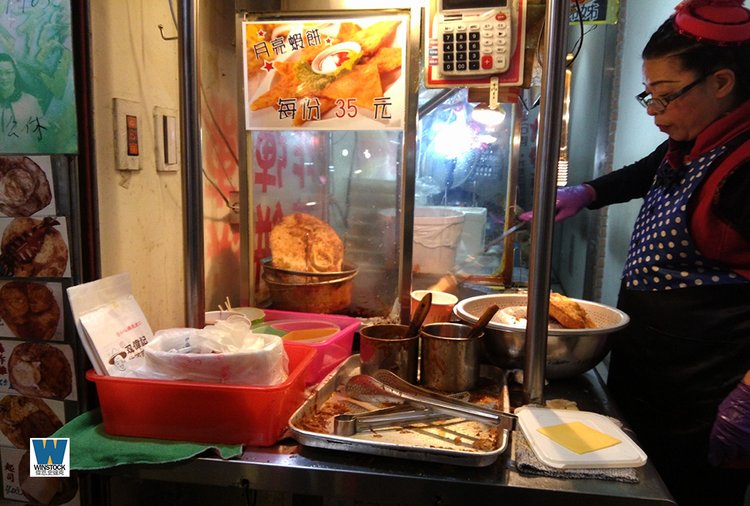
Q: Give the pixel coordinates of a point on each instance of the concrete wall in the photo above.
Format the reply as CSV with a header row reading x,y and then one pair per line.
x,y
600,113
141,225
588,95
141,218
635,133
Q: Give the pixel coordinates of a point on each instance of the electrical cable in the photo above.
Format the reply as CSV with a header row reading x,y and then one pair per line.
x,y
579,43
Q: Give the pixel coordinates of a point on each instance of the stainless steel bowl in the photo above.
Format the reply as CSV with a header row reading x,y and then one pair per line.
x,y
570,352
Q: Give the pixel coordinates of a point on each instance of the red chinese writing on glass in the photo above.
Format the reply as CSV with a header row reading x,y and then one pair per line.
x,y
270,155
264,222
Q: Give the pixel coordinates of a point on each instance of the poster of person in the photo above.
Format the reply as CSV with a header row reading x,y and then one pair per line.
x,y
325,74
37,94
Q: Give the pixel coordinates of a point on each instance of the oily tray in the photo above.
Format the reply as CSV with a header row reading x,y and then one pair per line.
x,y
447,441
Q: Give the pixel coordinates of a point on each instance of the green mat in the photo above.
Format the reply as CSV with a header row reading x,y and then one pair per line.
x,y
92,448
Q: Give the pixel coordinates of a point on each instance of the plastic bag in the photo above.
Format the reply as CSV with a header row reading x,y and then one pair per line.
x,y
226,352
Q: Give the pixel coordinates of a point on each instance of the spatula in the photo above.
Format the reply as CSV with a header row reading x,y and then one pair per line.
x,y
482,322
420,313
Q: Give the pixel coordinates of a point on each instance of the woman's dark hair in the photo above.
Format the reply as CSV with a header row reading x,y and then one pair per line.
x,y
700,56
17,85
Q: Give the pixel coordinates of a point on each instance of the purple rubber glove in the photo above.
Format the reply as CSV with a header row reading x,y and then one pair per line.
x,y
570,200
729,445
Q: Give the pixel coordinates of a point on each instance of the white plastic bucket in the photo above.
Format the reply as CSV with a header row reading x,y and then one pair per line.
x,y
436,236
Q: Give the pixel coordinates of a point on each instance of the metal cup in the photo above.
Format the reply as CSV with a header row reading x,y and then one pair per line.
x,y
382,346
450,361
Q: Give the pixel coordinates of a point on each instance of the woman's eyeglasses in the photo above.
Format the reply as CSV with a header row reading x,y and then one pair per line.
x,y
659,104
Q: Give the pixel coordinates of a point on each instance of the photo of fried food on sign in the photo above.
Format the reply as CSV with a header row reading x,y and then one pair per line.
x,y
325,74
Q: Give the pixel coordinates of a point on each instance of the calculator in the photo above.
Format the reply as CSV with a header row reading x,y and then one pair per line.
x,y
474,42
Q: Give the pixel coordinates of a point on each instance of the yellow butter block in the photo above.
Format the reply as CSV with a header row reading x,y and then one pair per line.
x,y
578,437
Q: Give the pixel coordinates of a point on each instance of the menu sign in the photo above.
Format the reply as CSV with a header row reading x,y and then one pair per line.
x,y
594,11
325,74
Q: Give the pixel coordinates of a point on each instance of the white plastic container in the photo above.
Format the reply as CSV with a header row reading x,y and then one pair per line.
x,y
471,242
436,235
625,454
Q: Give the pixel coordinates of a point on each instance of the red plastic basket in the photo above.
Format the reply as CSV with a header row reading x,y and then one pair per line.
x,y
203,412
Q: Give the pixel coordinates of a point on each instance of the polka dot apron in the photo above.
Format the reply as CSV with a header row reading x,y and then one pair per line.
x,y
662,254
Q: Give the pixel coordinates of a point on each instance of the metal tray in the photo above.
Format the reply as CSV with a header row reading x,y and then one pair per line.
x,y
448,441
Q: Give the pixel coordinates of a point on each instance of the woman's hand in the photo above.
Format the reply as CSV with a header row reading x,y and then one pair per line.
x,y
570,200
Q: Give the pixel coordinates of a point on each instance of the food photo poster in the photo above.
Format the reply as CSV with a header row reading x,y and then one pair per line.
x,y
31,310
37,369
19,486
34,247
26,186
37,90
325,74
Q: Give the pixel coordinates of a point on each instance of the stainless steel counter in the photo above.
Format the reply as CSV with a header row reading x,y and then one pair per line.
x,y
295,469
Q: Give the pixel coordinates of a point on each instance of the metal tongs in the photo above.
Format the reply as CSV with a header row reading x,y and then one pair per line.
x,y
350,424
385,386
515,228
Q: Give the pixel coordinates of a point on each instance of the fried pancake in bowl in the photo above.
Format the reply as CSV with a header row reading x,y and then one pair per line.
x,y
302,242
568,312
22,418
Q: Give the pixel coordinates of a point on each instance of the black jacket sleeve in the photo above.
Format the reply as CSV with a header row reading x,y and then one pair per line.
x,y
629,182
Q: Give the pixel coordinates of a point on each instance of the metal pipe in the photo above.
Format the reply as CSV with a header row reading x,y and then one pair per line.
x,y
409,170
507,260
545,176
439,97
192,189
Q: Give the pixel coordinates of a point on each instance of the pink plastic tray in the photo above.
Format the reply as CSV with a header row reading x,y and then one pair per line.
x,y
330,352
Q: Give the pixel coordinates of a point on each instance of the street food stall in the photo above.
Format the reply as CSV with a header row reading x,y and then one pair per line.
x,y
368,177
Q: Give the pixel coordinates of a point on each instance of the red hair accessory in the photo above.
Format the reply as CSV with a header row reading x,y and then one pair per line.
x,y
718,21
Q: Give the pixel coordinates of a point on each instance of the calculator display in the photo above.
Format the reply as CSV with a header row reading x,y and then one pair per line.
x,y
449,5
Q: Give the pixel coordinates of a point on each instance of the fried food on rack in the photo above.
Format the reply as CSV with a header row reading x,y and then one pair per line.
x,y
302,242
568,312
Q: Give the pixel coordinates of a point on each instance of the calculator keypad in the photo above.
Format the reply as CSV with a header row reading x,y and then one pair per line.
x,y
467,48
